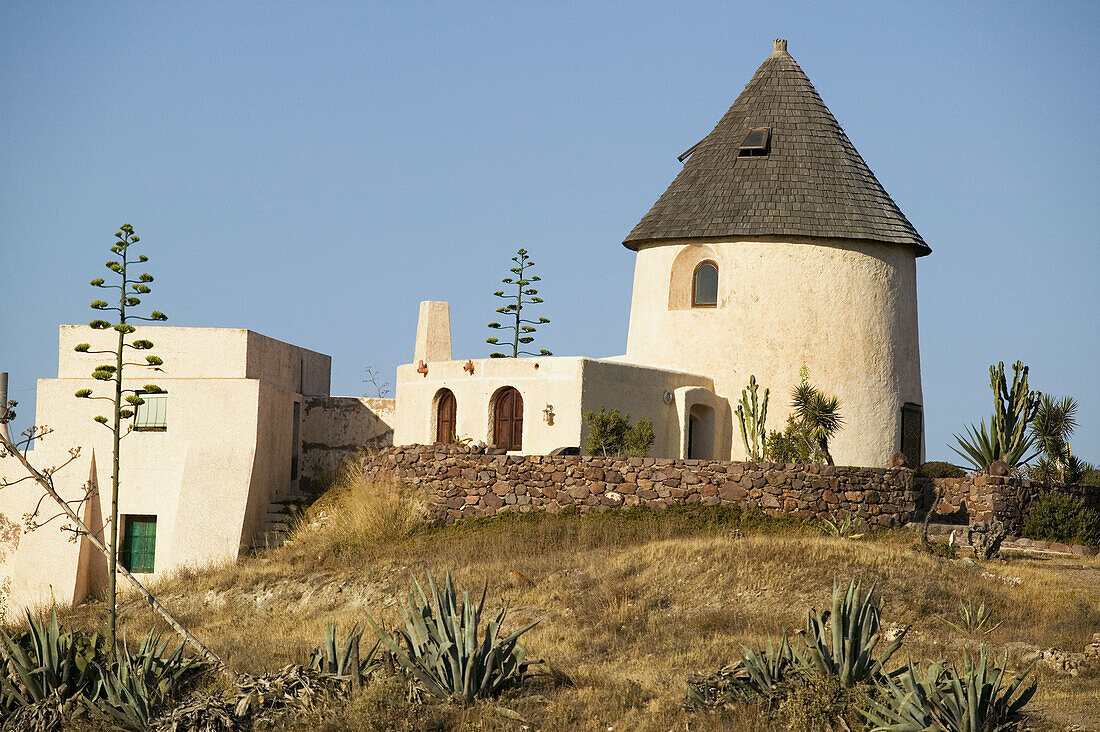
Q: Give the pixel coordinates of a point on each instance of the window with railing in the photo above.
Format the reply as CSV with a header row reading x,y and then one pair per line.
x,y
152,414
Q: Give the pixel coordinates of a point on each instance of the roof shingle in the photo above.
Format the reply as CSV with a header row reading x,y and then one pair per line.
x,y
812,182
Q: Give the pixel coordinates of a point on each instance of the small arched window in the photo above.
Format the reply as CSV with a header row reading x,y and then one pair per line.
x,y
704,286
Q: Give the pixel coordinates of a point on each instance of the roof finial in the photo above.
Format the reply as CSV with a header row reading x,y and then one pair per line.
x,y
779,45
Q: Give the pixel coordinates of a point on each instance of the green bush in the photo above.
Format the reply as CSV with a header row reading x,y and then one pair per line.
x,y
792,445
610,434
939,469
1091,478
1063,518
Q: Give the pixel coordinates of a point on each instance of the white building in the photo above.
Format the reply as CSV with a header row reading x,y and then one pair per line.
x,y
775,247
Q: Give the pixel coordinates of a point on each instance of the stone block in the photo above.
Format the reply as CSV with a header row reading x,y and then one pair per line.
x,y
578,492
732,492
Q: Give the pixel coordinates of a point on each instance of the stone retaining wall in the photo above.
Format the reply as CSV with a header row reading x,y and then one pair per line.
x,y
985,497
461,482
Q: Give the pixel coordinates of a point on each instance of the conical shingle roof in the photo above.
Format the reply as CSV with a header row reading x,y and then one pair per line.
x,y
811,183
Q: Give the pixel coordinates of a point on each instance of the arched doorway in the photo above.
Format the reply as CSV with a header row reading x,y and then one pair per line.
x,y
445,416
700,432
508,419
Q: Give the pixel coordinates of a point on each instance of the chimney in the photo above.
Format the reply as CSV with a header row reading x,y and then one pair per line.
x,y
779,46
433,332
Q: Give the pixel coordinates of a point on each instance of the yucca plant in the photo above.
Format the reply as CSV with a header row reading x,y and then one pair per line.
x,y
941,698
841,642
45,660
817,413
339,659
973,620
133,689
443,647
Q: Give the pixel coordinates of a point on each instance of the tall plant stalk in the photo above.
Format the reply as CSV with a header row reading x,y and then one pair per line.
x,y
523,329
128,291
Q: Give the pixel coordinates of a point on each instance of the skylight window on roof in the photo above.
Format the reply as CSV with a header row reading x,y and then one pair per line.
x,y
756,143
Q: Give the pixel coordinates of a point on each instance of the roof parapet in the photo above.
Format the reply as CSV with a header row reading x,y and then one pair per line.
x,y
779,45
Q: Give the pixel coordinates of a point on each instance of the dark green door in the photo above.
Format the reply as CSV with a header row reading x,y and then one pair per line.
x,y
139,543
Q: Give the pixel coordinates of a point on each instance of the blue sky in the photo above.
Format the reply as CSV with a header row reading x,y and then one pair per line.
x,y
312,171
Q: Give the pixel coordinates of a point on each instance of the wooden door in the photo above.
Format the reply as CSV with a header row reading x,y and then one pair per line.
x,y
508,420
446,417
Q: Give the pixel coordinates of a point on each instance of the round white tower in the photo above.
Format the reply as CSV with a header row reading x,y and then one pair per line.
x,y
814,264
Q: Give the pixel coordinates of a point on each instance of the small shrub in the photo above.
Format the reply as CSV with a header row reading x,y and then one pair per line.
x,y
1063,518
358,510
1092,477
939,469
611,435
816,703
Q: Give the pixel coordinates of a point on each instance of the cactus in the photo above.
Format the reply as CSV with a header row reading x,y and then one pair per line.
x,y
440,644
1008,438
944,699
841,642
752,415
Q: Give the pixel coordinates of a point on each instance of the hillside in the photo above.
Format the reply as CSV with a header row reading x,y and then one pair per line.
x,y
628,603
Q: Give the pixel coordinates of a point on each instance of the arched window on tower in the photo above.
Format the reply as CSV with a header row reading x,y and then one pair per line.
x,y
704,286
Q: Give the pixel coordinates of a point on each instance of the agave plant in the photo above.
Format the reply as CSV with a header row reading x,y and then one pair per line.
x,y
443,647
941,698
757,674
973,620
841,527
340,659
841,642
45,660
133,689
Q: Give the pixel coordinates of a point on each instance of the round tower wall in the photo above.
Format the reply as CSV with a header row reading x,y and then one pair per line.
x,y
847,310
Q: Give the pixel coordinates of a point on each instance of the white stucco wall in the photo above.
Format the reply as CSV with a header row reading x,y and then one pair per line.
x,y
335,429
572,385
848,310
208,478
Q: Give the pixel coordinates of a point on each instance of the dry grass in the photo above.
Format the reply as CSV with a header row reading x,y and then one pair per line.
x,y
630,602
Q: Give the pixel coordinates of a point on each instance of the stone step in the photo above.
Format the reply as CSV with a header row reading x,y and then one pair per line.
x,y
292,499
